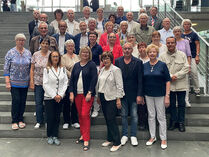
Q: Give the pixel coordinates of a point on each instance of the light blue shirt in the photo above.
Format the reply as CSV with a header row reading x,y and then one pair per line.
x,y
165,34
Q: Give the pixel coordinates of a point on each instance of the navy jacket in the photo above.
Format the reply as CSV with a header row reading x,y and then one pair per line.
x,y
67,37
77,43
31,26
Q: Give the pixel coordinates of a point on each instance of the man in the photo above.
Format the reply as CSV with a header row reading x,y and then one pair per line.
x,y
131,22
178,67
166,31
62,36
13,5
35,41
72,25
154,21
86,15
92,27
34,22
44,18
132,72
81,39
142,31
120,15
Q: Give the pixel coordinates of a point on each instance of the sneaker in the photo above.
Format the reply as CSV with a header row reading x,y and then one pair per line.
x,y
37,126
106,143
115,148
15,126
34,114
134,141
151,141
65,126
188,105
76,125
163,144
22,125
124,139
56,141
197,94
50,140
94,114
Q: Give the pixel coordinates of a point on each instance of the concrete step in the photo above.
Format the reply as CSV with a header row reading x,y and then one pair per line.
x,y
5,106
5,96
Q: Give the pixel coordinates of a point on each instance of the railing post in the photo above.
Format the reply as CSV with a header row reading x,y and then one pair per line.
x,y
158,4
165,8
207,70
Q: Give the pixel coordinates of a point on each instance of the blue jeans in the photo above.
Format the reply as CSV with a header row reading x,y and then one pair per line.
x,y
39,98
13,8
126,106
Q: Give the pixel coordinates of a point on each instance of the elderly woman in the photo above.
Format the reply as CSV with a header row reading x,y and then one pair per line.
x,y
17,76
110,88
82,88
109,29
183,45
132,39
142,52
58,14
113,47
116,27
157,91
68,61
55,83
38,63
156,41
123,32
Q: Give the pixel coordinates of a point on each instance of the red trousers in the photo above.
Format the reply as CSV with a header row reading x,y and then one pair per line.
x,y
83,108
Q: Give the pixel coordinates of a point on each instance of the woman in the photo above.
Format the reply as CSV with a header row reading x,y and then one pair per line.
x,y
132,39
108,29
68,61
82,88
113,47
116,27
110,88
156,41
142,52
183,45
38,63
17,76
55,83
100,20
157,91
58,14
123,32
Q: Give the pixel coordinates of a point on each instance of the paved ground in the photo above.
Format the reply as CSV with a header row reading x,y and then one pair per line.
x,y
39,148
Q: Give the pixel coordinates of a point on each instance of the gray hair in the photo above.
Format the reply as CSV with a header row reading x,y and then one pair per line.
x,y
70,41
129,13
42,23
20,36
123,22
143,14
186,20
177,28
92,19
86,7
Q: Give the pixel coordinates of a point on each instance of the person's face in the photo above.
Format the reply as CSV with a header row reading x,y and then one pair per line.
x,y
20,42
43,29
132,39
100,13
142,11
58,16
70,15
177,33
83,27
92,25
106,61
166,23
85,55
109,27
92,38
120,11
142,50
127,50
44,45
153,11
112,38
186,26
171,44
129,16
43,17
86,13
124,27
156,38
36,14
152,54
112,19
55,58
143,20
70,47
62,27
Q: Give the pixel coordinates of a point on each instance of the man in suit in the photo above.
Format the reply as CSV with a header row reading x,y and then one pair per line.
x,y
34,22
35,41
131,22
62,36
86,15
44,18
81,39
153,20
92,27
132,72
120,15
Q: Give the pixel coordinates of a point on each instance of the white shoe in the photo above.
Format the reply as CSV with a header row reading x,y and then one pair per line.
x,y
34,114
65,126
149,143
164,146
94,114
188,104
115,148
106,143
124,139
76,125
37,126
134,141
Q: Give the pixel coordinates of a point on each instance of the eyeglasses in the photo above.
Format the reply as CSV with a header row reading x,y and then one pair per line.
x,y
127,48
112,37
55,56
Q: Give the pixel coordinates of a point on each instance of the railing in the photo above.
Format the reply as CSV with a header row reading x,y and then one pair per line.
x,y
165,10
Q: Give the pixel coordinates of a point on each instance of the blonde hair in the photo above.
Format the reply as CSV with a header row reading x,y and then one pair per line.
x,y
88,49
20,36
108,23
152,46
70,41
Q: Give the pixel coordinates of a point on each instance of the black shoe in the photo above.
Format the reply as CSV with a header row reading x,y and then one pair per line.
x,y
172,126
142,127
182,127
197,94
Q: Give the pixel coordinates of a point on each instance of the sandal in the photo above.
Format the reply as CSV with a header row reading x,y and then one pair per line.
x,y
22,125
79,141
85,148
15,126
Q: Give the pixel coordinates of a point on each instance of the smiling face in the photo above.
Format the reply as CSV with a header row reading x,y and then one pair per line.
x,y
62,27
156,38
171,44
85,55
44,45
143,20
109,28
70,47
152,54
187,26
127,50
131,39
86,13
83,27
112,19
142,50
20,42
55,58
112,38
129,16
177,33
43,29
70,15
92,38
92,25
106,61
124,27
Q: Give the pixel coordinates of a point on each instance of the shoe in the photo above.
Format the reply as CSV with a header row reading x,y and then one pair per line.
x,y
172,126
182,127
94,114
115,148
37,126
87,147
79,141
188,105
56,141
50,140
142,127
197,94
15,126
65,126
106,143
124,139
34,114
22,125
151,141
164,146
134,141
76,125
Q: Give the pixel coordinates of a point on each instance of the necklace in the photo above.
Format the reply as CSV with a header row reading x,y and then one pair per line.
x,y
152,67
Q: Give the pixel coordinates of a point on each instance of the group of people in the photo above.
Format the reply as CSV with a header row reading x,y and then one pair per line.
x,y
138,67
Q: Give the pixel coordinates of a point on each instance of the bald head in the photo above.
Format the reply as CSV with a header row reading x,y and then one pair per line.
x,y
44,17
36,14
166,23
70,15
129,16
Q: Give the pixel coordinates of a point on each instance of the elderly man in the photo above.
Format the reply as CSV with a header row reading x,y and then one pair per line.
x,y
92,27
154,21
132,72
72,25
44,18
166,31
142,31
62,37
35,41
86,15
131,22
34,22
178,67
120,15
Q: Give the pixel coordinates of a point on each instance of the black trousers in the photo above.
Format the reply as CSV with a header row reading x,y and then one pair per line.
x,y
53,110
70,113
110,111
142,115
19,96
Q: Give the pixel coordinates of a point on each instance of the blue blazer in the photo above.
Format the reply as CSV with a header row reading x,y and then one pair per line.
x,y
77,43
67,37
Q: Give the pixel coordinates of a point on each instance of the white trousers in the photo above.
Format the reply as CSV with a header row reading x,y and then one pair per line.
x,y
194,76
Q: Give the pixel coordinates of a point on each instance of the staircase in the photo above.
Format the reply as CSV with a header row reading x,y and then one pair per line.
x,y
197,117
